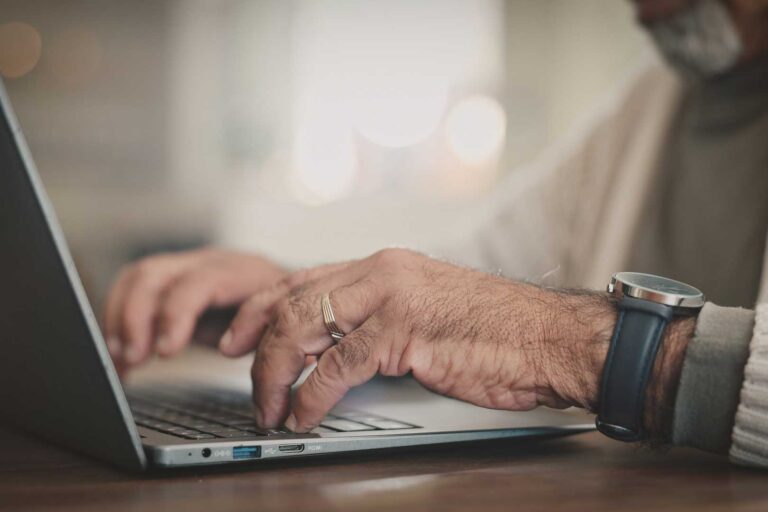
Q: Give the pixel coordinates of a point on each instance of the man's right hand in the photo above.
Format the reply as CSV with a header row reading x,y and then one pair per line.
x,y
155,303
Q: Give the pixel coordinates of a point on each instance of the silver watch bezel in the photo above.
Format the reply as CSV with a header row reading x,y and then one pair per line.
x,y
622,284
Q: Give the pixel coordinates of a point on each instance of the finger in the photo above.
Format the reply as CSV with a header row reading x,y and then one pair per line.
x,y
183,302
298,331
251,320
112,314
275,371
353,361
141,299
136,325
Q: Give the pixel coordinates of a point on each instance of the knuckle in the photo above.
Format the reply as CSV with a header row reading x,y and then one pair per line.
x,y
392,259
334,360
125,273
205,285
408,308
132,312
295,279
147,266
284,318
172,310
132,326
300,306
253,306
356,352
400,303
255,368
393,255
384,256
261,363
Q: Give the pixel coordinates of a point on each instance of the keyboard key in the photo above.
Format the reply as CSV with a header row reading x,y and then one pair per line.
x,y
186,433
181,429
157,425
199,436
357,416
206,414
345,425
252,428
239,433
222,430
385,424
203,425
247,422
362,418
322,430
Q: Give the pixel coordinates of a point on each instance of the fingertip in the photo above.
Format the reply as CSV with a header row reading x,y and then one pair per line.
x,y
114,347
133,354
243,337
291,423
225,343
165,346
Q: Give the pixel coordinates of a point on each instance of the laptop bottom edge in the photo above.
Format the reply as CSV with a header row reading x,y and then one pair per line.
x,y
233,452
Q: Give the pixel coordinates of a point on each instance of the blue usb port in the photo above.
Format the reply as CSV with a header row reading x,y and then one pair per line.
x,y
246,452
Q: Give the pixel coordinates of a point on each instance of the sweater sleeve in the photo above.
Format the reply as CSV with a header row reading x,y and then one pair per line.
x,y
712,375
750,433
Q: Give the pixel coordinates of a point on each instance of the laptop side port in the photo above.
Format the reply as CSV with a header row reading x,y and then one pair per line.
x,y
291,448
246,452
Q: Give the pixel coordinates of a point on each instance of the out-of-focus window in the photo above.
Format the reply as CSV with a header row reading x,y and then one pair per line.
x,y
311,130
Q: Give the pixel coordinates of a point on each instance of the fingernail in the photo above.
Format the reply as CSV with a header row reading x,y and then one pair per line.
x,y
132,354
113,346
226,340
164,344
290,422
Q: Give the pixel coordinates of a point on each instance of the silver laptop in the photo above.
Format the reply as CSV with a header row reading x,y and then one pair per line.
x,y
57,380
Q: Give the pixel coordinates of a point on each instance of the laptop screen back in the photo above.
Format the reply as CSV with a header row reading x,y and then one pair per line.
x,y
56,379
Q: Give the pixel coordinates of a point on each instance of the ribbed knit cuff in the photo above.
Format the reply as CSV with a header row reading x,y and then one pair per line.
x,y
750,432
711,379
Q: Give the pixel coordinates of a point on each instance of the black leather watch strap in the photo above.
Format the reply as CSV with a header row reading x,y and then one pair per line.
x,y
636,340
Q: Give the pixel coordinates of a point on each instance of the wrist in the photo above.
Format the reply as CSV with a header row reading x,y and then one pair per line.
x,y
575,346
665,377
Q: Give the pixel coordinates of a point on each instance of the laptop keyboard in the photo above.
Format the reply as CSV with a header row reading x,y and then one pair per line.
x,y
208,414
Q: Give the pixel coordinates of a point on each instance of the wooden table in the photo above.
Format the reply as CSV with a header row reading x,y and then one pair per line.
x,y
582,473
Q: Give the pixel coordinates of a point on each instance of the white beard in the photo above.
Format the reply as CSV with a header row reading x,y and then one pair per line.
x,y
700,41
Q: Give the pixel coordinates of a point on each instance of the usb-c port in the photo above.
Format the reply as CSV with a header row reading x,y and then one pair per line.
x,y
291,448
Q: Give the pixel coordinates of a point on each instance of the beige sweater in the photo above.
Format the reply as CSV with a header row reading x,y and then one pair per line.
x,y
570,219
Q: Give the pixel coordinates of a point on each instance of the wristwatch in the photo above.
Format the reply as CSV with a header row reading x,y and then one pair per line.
x,y
646,304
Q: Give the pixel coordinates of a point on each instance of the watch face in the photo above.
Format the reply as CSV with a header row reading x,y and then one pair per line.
x,y
658,289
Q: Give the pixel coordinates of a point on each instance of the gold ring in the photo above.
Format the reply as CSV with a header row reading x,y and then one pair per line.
x,y
329,319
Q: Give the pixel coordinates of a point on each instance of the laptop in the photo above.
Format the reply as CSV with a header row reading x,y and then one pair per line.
x,y
57,380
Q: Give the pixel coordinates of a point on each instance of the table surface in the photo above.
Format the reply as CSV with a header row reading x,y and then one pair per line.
x,y
584,472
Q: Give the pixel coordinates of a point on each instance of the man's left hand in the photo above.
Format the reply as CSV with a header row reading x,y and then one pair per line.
x,y
462,333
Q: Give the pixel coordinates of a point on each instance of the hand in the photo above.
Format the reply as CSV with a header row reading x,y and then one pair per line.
x,y
155,303
476,337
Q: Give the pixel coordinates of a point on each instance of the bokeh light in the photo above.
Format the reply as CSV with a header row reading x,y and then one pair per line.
x,y
324,156
20,49
397,112
476,129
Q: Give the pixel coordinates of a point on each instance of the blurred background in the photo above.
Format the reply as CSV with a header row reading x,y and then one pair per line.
x,y
310,130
